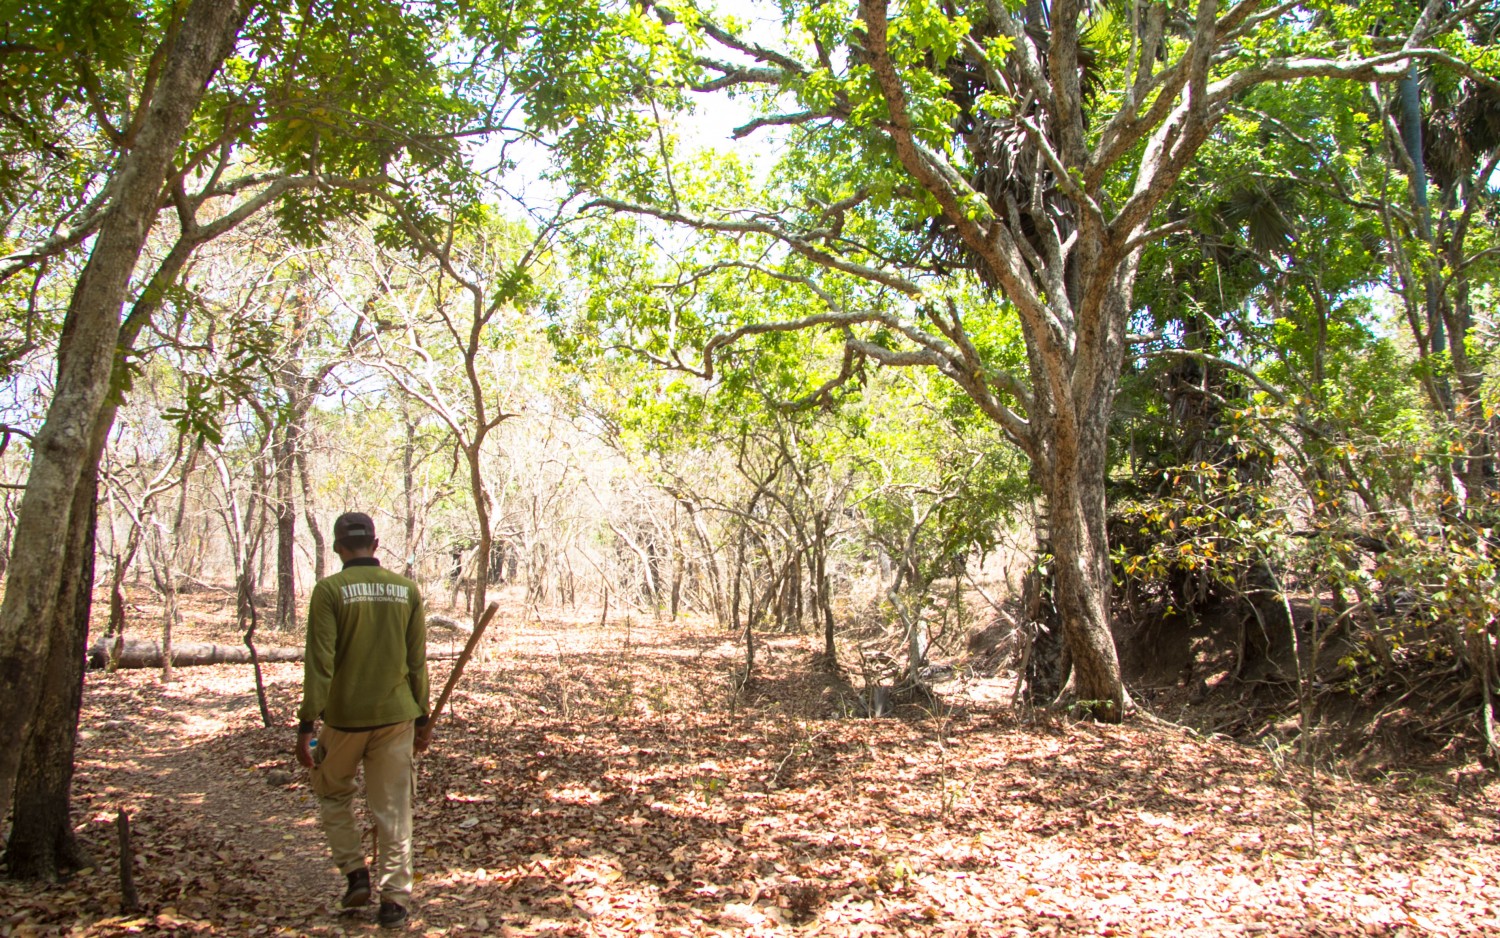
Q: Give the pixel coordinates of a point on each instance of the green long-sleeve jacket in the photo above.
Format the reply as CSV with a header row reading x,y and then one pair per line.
x,y
366,661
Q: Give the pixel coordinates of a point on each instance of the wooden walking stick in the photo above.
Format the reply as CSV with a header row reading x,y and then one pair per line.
x,y
463,659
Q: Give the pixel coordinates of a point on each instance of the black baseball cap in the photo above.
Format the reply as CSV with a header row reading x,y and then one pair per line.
x,y
353,524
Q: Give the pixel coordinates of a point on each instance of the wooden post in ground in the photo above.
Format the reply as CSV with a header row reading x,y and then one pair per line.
x,y
130,900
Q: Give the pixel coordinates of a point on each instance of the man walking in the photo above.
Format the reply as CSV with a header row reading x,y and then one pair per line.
x,y
365,676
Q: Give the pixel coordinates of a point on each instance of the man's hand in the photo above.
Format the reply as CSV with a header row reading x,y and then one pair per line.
x,y
304,749
422,738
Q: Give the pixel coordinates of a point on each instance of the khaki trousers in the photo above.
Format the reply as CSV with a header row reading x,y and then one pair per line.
x,y
390,786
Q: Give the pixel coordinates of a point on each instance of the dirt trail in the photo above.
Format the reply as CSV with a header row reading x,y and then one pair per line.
x,y
222,815
601,782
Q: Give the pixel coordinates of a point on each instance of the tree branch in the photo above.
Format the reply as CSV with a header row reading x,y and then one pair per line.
x,y
798,243
776,120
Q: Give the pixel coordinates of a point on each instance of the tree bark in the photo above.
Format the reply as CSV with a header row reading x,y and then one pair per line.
x,y
41,843
738,578
1070,448
169,616
86,357
1411,139
408,489
710,562
260,678
119,567
481,497
679,565
7,529
130,899
283,454
320,549
824,583
1081,585
170,549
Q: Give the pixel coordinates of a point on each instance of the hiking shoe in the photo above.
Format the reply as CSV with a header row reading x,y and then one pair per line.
x,y
358,892
391,915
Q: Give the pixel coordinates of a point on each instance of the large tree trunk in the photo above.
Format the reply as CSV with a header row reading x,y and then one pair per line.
x,y
1071,451
1081,587
7,528
86,357
41,843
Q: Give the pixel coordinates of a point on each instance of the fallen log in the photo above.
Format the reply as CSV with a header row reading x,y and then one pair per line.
x,y
141,653
447,624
